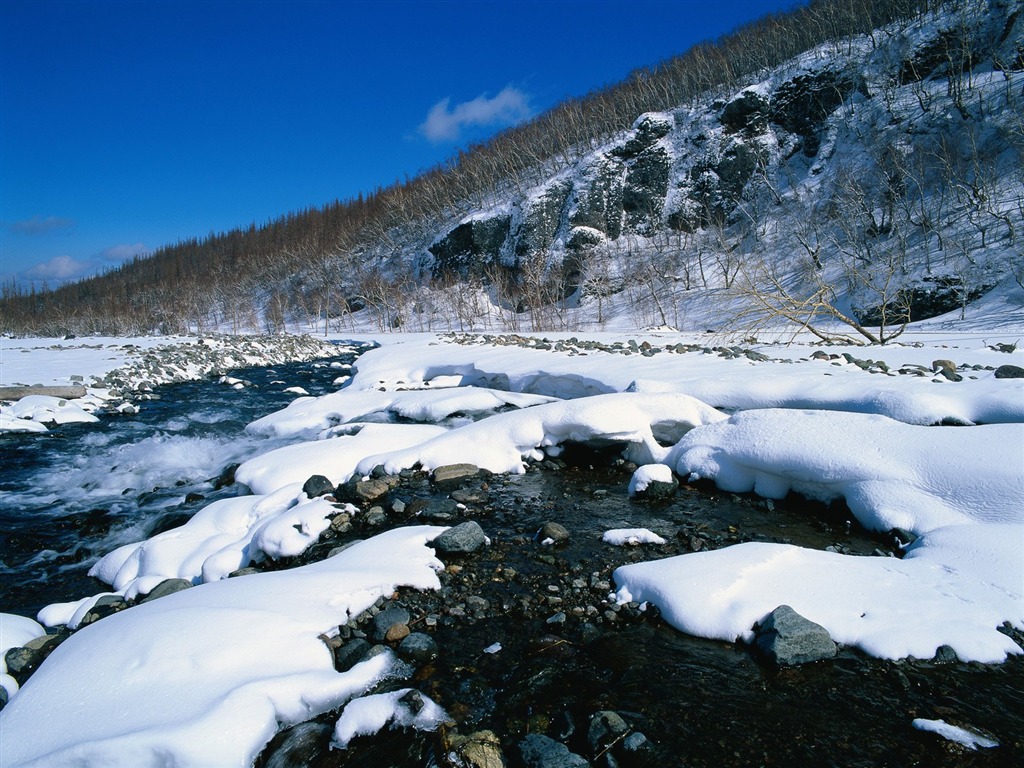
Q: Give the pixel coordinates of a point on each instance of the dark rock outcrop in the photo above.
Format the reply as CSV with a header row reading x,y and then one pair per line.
x,y
597,200
463,250
800,105
747,112
541,218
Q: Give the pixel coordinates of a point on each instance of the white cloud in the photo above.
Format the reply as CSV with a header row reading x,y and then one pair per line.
x,y
60,268
445,122
122,251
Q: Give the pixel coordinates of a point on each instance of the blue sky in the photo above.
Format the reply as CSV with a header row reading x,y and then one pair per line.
x,y
125,126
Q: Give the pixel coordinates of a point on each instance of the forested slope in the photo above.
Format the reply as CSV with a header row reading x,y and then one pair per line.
x,y
850,164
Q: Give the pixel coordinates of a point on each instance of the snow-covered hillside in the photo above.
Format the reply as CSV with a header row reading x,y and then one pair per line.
x,y
871,179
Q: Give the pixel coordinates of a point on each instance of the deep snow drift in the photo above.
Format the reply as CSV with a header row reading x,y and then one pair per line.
x,y
207,676
849,434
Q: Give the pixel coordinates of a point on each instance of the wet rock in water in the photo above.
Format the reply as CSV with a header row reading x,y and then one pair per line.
x,y
386,620
371,490
540,751
226,477
454,475
470,496
440,512
351,653
104,606
606,729
375,516
397,632
461,539
788,639
480,749
1009,372
298,746
317,485
418,648
22,662
166,587
636,742
553,533
653,482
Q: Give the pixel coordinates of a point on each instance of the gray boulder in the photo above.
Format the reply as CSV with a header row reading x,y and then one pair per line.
x,y
385,621
555,532
1009,372
418,648
540,751
788,639
453,475
317,485
166,587
461,539
351,653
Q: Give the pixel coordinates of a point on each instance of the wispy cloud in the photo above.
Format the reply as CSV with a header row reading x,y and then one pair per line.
x,y
60,269
446,122
119,253
40,225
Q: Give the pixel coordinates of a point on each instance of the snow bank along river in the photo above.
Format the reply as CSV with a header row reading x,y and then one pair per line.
x,y
881,500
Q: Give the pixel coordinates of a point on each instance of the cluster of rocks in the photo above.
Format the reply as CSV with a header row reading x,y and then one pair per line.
x,y
939,369
945,369
210,355
575,346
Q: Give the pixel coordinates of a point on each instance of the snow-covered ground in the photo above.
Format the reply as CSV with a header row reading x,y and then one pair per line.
x,y
761,417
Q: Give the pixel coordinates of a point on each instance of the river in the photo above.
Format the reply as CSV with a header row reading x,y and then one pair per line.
x,y
567,652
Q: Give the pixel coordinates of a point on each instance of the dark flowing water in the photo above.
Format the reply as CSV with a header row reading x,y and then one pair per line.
x,y
71,496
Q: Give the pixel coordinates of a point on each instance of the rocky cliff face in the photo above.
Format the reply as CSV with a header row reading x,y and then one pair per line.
x,y
659,175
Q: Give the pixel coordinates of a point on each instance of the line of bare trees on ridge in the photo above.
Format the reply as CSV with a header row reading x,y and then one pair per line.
x,y
339,258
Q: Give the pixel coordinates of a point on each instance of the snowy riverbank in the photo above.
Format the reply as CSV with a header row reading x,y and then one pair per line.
x,y
117,371
860,425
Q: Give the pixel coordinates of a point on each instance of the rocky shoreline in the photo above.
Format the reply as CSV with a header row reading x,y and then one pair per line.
x,y
522,645
207,355
146,368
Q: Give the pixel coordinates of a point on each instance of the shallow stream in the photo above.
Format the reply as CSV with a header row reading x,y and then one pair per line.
x,y
567,652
